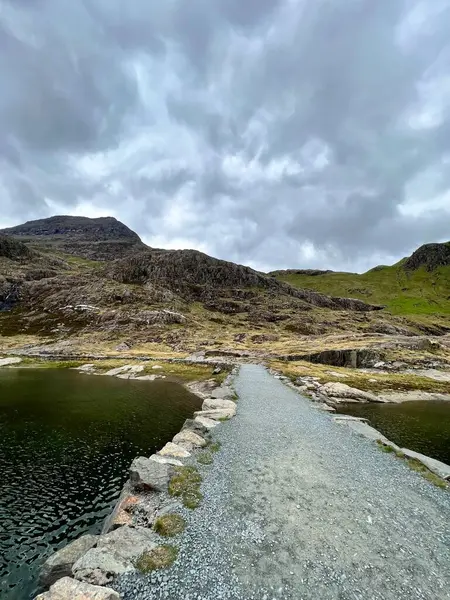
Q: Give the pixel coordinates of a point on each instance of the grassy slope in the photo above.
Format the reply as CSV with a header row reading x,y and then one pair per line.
x,y
418,295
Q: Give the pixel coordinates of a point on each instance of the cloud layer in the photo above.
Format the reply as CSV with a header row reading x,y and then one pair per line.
x,y
278,133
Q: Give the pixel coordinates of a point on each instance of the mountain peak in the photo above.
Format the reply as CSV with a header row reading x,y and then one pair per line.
x,y
430,256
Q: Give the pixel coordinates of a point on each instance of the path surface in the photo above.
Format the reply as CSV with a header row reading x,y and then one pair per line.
x,y
299,507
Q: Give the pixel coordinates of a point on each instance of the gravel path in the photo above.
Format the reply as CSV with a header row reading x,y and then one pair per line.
x,y
299,507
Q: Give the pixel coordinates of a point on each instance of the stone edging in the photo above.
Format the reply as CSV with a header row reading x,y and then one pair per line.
x,y
148,509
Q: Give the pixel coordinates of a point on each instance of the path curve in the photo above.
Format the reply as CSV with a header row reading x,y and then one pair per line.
x,y
299,507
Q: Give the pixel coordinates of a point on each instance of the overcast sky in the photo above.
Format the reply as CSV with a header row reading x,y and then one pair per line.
x,y
276,133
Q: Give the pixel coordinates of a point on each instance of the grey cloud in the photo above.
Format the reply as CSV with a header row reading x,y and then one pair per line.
x,y
276,132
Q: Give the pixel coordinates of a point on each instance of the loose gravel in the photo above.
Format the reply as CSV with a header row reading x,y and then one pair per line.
x,y
299,507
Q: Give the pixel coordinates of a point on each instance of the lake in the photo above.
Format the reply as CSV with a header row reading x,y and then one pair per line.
x,y
66,442
420,426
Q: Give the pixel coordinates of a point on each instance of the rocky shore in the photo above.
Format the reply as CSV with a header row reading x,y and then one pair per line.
x,y
150,508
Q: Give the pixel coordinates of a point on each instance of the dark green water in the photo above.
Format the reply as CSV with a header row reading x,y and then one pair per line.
x,y
66,442
420,426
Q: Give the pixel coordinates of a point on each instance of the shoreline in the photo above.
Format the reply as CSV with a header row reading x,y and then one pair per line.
x,y
158,491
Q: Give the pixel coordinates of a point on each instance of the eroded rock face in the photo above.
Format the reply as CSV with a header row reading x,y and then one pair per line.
x,y
148,475
341,392
60,563
71,589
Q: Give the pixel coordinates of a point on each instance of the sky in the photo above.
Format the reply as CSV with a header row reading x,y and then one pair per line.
x,y
274,133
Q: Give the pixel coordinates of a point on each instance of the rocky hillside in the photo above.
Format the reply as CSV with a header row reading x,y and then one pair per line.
x,y
104,238
416,288
63,276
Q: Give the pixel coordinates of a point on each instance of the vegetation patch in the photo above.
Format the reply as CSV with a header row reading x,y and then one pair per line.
x,y
214,446
186,484
205,458
158,558
169,525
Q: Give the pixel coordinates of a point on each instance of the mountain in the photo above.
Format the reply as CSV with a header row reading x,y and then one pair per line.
x,y
417,288
103,238
74,276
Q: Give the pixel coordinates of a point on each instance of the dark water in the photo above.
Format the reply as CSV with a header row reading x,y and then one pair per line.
x,y
420,426
66,442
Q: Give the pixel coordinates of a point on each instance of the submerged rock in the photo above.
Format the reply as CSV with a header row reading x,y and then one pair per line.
x,y
71,589
60,563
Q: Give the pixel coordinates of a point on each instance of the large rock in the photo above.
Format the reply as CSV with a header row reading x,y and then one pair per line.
x,y
217,414
215,404
61,562
166,460
341,392
186,436
196,427
100,566
128,369
222,392
205,422
13,360
71,589
171,449
149,475
114,555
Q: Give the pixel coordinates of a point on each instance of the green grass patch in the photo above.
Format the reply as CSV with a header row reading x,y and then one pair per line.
x,y
169,525
215,446
205,458
161,557
186,484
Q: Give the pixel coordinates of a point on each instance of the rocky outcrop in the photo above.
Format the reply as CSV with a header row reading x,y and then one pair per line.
x,y
341,392
429,256
71,589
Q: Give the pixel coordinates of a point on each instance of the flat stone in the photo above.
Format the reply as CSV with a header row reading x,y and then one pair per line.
x,y
13,360
186,436
146,378
216,404
147,475
222,392
208,423
87,367
99,566
61,562
435,466
118,370
71,589
166,460
341,392
345,418
171,449
128,542
217,414
157,367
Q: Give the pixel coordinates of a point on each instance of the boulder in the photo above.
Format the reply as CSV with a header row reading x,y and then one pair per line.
x,y
118,370
100,566
61,562
186,436
146,378
222,392
196,427
171,449
123,347
214,404
205,422
341,392
13,360
166,460
217,414
71,589
149,475
114,555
